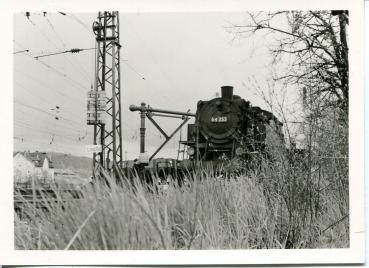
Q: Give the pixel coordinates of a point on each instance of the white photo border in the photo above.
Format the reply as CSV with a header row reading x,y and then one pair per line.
x,y
354,254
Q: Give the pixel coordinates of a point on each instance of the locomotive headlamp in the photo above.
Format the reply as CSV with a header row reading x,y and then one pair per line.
x,y
239,151
191,151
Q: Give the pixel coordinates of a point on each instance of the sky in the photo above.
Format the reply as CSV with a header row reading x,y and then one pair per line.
x,y
168,60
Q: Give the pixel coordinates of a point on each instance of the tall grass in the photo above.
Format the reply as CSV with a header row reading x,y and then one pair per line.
x,y
235,213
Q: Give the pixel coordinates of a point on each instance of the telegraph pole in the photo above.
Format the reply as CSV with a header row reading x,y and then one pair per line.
x,y
104,104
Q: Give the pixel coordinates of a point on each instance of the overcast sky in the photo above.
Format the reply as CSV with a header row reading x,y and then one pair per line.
x,y
183,58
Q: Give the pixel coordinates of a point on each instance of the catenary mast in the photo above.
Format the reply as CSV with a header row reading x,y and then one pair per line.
x,y
104,101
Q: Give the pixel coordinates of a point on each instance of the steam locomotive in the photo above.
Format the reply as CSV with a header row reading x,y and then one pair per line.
x,y
228,127
225,127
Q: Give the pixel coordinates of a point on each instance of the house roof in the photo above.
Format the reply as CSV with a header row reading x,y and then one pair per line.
x,y
37,158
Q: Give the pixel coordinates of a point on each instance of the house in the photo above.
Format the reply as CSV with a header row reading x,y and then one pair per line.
x,y
29,165
38,166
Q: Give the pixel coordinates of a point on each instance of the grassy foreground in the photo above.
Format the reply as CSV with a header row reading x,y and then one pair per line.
x,y
245,212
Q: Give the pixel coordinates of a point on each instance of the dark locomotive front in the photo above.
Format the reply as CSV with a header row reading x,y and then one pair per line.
x,y
229,126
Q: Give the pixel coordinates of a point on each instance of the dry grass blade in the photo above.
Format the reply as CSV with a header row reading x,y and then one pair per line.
x,y
79,230
162,240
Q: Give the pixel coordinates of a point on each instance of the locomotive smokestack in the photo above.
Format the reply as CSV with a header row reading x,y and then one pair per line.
x,y
227,92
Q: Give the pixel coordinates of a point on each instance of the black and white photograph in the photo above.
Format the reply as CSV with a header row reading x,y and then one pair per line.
x,y
190,130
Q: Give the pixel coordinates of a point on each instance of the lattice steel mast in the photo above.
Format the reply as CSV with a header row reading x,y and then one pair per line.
x,y
106,115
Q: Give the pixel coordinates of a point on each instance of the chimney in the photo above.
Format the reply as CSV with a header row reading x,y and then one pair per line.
x,y
227,92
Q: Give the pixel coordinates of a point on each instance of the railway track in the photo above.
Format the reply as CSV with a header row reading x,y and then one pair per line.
x,y
42,196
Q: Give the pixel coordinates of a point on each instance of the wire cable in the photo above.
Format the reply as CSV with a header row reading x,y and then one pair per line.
x,y
59,73
54,45
61,128
22,51
64,46
134,70
46,131
145,44
46,86
73,50
55,32
45,112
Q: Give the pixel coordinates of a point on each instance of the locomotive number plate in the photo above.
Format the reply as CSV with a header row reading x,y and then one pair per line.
x,y
219,119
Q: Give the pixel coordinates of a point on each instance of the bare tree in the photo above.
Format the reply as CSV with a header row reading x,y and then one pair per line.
x,y
310,54
316,43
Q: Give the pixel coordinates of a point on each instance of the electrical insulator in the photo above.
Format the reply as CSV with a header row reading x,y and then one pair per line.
x,y
75,50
